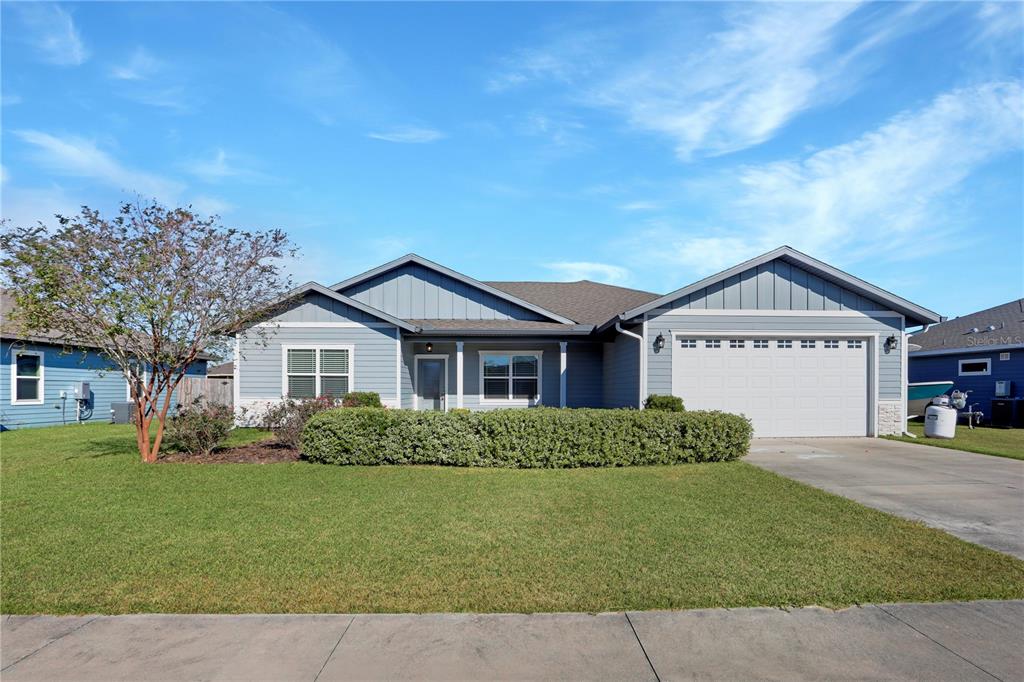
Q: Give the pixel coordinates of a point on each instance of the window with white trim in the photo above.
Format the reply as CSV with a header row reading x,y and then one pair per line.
x,y
27,377
969,368
736,343
760,343
807,343
511,376
1004,356
832,343
687,343
784,343
854,343
314,372
712,343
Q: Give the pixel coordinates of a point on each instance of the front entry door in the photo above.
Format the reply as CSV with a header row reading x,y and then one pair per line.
x,y
431,384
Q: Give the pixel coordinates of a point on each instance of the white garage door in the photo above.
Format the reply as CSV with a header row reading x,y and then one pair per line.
x,y
799,386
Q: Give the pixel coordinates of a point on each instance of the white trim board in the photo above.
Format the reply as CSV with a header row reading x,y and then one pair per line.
x,y
416,377
739,312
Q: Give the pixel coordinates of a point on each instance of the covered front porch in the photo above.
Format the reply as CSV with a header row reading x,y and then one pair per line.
x,y
481,373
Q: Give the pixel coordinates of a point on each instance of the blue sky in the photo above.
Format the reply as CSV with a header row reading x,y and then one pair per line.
x,y
646,145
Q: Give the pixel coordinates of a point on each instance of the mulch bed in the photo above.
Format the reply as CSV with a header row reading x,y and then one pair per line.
x,y
266,452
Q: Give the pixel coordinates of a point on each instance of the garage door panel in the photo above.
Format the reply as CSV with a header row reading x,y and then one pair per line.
x,y
811,389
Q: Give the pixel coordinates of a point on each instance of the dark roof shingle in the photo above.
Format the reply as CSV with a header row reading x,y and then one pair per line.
x,y
997,326
584,301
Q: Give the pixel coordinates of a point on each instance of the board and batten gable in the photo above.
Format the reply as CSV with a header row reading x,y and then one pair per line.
x,y
414,292
776,285
317,320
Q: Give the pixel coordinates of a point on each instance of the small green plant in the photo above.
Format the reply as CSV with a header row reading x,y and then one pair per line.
x,y
668,403
199,428
361,399
528,439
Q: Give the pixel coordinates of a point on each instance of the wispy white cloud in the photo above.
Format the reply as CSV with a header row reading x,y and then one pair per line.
x,y
51,31
570,271
640,206
408,135
223,165
886,195
211,205
996,20
9,99
78,157
717,92
141,65
27,206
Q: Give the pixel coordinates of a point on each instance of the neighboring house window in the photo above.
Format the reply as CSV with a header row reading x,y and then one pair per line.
x,y
27,378
1004,356
975,367
313,372
511,377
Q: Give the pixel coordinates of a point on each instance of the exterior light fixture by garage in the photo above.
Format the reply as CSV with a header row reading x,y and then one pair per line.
x,y
893,342
430,347
659,342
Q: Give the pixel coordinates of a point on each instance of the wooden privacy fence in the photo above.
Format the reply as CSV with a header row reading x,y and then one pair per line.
x,y
214,389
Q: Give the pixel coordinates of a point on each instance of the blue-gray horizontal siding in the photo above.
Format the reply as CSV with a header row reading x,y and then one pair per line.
x,y
314,307
418,293
60,373
776,285
584,381
659,365
375,353
621,371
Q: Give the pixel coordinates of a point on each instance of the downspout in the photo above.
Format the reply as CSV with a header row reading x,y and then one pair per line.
x,y
643,363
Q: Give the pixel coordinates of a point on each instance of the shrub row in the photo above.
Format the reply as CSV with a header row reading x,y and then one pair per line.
x,y
533,438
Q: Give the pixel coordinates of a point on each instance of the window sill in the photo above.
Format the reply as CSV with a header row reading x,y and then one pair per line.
x,y
28,402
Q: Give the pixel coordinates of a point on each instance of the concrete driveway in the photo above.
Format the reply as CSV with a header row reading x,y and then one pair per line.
x,y
978,498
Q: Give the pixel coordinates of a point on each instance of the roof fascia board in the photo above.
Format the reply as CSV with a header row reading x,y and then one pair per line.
x,y
465,279
813,265
980,348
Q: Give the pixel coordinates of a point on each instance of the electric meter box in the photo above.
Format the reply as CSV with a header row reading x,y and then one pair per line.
x,y
82,390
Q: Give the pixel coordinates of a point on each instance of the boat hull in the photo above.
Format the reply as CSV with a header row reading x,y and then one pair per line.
x,y
920,394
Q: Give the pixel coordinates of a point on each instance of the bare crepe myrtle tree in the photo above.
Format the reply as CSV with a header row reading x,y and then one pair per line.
x,y
151,288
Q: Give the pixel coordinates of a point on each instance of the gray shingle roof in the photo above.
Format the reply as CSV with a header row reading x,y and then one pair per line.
x,y
225,369
584,301
1006,322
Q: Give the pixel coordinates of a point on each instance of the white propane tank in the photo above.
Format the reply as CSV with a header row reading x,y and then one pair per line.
x,y
939,422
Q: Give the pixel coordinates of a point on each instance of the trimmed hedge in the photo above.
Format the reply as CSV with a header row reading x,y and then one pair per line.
x,y
669,403
533,438
361,399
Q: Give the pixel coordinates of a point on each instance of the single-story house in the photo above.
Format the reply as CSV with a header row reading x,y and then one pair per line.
x,y
46,381
800,347
974,352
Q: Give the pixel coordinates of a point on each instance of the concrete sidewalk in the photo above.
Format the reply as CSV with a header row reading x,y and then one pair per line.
x,y
952,641
978,498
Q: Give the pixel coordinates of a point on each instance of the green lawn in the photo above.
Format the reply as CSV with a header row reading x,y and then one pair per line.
x,y
986,440
86,528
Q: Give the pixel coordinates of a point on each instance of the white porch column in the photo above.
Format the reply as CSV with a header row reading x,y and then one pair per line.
x,y
458,374
562,375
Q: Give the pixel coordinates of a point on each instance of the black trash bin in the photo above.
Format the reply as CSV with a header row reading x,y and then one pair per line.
x,y
1002,412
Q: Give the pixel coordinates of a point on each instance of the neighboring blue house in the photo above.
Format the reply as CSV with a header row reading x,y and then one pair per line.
x,y
40,377
800,347
974,352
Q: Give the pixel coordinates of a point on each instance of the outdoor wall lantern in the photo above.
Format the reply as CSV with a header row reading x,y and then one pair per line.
x,y
430,347
659,343
892,343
